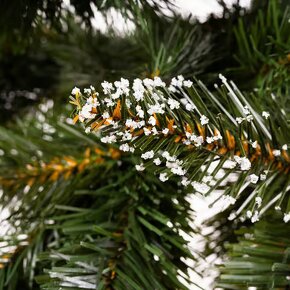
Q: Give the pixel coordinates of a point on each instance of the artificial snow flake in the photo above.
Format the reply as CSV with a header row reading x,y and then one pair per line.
x,y
131,124
239,120
149,83
93,101
157,108
109,139
209,140
250,118
138,85
231,164
188,135
232,216
187,83
177,82
106,115
200,187
265,114
286,217
109,102
87,91
237,159
189,107
125,147
198,141
165,131
156,97
138,89
276,153
127,136
163,177
140,124
158,82
249,214
139,95
152,121
86,112
156,258
218,136
242,219
207,178
222,78
246,110
140,167
254,178
75,91
154,131
173,104
117,94
122,86
204,120
229,199
115,124
147,132
140,112
180,78
157,161
245,164
107,87
148,155
258,201
185,182
285,147
172,89
255,144
166,155
178,171
255,217
173,162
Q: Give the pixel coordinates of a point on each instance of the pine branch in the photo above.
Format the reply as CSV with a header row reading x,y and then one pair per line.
x,y
97,226
263,48
183,137
129,241
260,258
172,46
57,168
31,186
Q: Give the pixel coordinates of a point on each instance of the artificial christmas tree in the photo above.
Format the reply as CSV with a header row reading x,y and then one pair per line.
x,y
96,188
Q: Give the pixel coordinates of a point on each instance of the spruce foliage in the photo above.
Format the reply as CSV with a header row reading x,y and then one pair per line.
x,y
96,181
